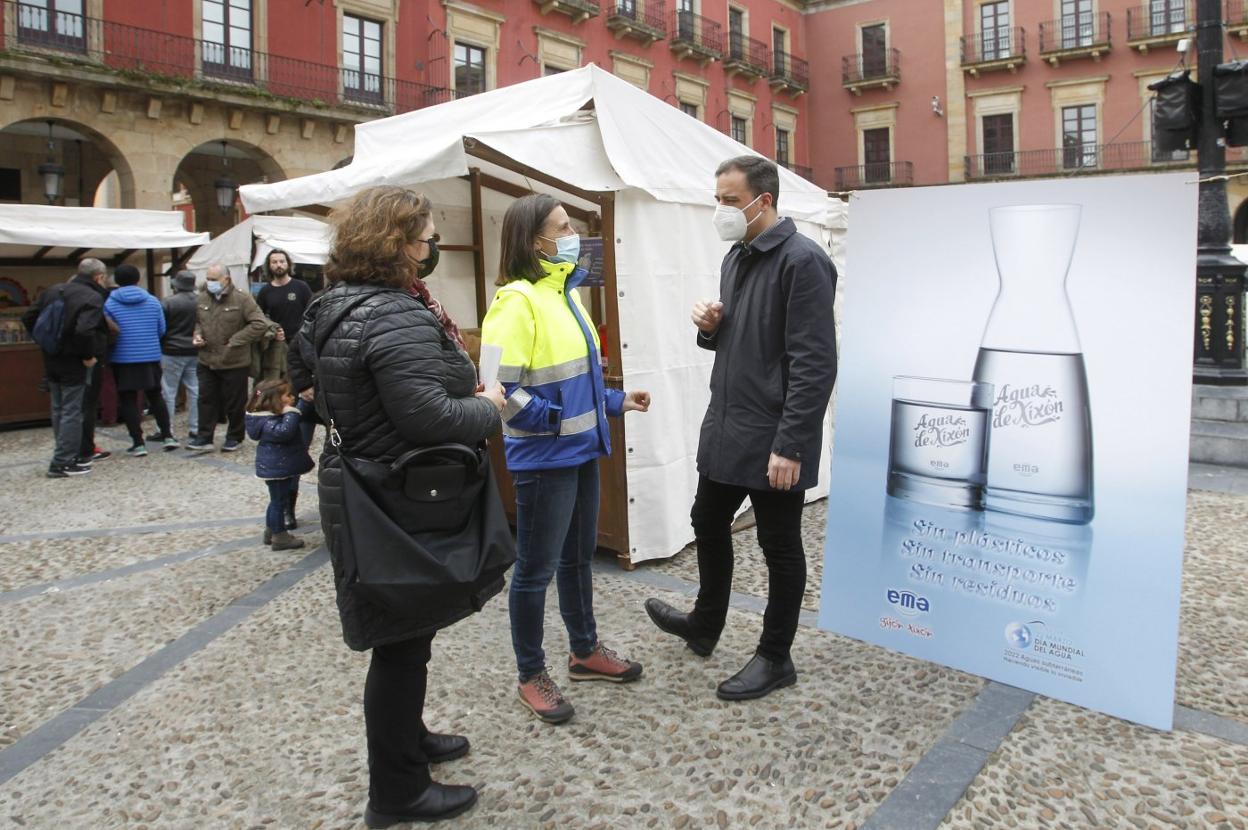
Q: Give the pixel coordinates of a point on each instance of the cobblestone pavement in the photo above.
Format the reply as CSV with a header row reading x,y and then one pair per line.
x,y
163,669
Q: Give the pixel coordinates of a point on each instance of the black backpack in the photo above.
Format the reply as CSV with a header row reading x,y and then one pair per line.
x,y
49,330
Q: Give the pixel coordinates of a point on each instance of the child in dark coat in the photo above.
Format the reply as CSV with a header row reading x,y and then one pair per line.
x,y
273,417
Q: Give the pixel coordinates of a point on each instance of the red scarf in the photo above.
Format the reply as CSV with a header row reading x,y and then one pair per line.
x,y
420,290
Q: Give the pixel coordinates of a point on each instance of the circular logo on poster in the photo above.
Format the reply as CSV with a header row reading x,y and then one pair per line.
x,y
1018,635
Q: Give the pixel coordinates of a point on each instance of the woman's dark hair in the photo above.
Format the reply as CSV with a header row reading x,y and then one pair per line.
x,y
267,396
521,225
371,234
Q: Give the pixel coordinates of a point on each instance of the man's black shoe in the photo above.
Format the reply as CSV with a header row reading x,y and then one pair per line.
x,y
437,802
439,749
759,678
672,621
67,471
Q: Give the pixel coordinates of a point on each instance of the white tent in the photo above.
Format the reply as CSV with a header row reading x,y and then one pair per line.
x,y
27,229
647,171
243,247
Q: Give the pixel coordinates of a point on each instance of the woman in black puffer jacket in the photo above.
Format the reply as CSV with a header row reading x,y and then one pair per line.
x,y
394,380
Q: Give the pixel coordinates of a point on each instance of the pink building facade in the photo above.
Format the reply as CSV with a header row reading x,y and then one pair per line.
x,y
940,91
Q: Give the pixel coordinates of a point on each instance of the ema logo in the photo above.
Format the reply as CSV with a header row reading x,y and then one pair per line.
x,y
908,603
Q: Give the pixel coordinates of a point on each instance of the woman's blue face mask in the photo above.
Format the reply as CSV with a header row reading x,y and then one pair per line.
x,y
567,248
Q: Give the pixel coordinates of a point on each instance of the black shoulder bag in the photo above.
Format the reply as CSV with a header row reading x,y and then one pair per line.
x,y
425,536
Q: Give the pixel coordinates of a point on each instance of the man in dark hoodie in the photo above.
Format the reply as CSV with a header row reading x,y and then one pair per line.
x,y
83,342
180,356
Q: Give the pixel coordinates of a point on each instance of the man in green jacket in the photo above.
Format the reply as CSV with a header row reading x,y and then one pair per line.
x,y
227,322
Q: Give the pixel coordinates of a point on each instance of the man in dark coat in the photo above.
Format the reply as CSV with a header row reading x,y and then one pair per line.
x,y
83,343
774,340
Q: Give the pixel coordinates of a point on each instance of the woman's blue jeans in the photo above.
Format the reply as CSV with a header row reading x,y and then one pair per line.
x,y
556,535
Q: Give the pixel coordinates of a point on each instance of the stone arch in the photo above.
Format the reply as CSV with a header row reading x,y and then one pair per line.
x,y
1240,236
200,167
88,160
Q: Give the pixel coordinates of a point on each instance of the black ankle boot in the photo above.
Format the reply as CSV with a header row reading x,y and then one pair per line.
x,y
439,749
672,621
437,802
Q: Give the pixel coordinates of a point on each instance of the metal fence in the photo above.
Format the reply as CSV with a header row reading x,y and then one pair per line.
x,y
124,49
870,66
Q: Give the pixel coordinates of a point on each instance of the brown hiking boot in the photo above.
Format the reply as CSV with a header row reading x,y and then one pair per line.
x,y
540,694
603,664
285,541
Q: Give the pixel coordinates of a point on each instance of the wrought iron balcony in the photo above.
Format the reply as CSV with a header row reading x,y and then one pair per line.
x,y
578,10
871,69
645,20
747,57
1237,18
1160,24
697,37
877,174
1084,35
789,72
122,50
802,170
1078,159
994,49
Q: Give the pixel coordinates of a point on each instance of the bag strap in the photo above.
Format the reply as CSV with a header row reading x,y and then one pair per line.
x,y
318,345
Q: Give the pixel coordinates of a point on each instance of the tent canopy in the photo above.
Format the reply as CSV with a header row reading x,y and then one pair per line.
x,y
588,127
26,230
306,240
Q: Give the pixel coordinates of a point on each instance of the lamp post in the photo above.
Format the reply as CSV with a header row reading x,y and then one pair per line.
x,y
51,173
1220,355
225,186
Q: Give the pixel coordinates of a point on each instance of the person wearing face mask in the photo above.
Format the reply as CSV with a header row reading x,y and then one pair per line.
x,y
774,340
554,431
227,322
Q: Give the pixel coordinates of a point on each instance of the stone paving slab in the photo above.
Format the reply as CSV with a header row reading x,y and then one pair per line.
x,y
1213,653
264,727
65,645
38,561
1066,767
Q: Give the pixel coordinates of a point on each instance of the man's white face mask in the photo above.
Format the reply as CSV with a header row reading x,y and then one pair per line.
x,y
730,222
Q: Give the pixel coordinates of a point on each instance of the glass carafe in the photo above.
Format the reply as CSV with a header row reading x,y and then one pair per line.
x,y
1040,452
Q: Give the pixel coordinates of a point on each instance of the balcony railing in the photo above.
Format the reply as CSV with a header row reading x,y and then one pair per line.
x,y
578,10
1073,160
123,49
1075,35
747,56
1237,18
877,174
802,170
994,48
882,68
789,72
645,20
1160,23
696,36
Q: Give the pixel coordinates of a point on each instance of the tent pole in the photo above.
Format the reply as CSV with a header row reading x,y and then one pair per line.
x,y
478,240
614,469
151,270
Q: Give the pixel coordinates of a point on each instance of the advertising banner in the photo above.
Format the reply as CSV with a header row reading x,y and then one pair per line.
x,y
1010,460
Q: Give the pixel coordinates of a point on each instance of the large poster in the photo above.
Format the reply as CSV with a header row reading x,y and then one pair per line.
x,y
1010,462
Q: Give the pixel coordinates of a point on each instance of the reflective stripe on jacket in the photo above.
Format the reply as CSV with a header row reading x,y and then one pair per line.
x,y
557,401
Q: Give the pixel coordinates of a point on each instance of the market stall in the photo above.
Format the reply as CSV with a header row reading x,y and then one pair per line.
x,y
243,248
635,173
40,246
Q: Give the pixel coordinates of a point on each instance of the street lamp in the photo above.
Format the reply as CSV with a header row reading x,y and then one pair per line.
x,y
225,186
51,173
1219,276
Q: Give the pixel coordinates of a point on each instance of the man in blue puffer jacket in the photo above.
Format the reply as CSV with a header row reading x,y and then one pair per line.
x,y
136,357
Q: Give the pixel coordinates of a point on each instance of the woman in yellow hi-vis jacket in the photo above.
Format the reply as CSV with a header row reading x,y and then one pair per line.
x,y
555,429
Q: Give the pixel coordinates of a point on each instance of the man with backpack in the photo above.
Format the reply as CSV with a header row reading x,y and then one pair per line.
x,y
67,321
